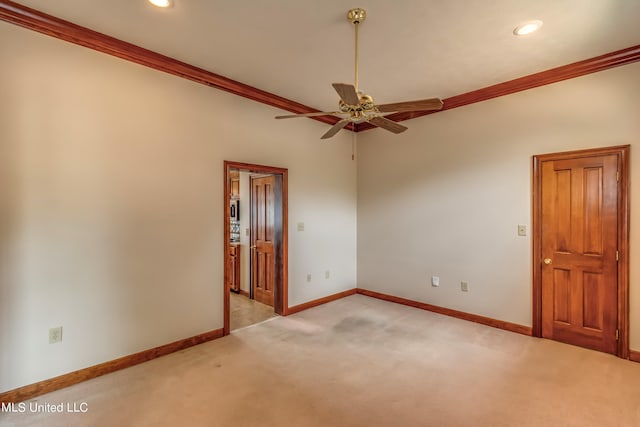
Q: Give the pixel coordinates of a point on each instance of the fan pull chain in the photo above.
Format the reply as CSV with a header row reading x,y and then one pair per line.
x,y
353,143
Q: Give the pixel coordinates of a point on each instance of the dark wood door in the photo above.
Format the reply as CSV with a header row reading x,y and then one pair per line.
x,y
579,251
262,239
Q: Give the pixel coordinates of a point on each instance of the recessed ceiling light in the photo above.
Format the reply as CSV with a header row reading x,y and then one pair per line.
x,y
161,3
527,27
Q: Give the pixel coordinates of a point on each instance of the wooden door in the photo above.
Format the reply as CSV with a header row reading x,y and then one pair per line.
x,y
262,239
579,253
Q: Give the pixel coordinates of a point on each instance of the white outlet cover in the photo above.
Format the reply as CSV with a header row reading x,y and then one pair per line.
x,y
435,281
55,335
301,226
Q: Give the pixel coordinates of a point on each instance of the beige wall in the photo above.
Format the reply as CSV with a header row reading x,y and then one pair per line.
x,y
445,198
111,200
111,204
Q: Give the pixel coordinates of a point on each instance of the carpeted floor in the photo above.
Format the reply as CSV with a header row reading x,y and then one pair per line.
x,y
360,361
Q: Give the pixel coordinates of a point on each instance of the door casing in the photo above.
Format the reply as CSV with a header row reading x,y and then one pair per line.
x,y
623,237
281,287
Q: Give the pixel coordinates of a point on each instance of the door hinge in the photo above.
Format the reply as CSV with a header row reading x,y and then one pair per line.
x,y
618,176
617,256
617,334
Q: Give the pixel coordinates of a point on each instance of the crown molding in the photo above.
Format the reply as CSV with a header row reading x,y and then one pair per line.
x,y
43,23
553,75
35,20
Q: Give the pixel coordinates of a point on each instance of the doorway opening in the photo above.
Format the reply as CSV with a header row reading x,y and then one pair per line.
x,y
255,244
581,248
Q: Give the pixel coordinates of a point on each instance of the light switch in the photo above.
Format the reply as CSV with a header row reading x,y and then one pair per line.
x,y
522,230
435,281
301,226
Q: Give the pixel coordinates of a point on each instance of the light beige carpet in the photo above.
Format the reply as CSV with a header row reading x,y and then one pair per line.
x,y
361,362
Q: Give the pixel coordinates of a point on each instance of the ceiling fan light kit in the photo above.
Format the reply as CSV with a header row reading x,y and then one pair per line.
x,y
359,107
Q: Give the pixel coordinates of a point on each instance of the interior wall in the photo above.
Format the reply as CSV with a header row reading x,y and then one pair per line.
x,y
112,204
445,197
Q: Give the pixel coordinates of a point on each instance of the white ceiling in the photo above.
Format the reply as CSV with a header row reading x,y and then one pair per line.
x,y
409,49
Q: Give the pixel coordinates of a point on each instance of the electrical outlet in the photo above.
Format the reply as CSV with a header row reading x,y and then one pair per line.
x,y
301,226
55,335
327,274
308,277
435,281
464,286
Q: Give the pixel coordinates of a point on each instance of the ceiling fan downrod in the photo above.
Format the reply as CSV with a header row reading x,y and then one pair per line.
x,y
356,16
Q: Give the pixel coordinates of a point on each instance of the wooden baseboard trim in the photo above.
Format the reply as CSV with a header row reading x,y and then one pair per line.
x,y
634,356
33,390
500,324
245,293
319,301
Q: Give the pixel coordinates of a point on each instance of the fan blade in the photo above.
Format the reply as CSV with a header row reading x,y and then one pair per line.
x,y
420,105
320,113
387,124
347,93
335,129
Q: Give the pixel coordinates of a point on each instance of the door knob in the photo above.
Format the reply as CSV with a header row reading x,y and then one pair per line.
x,y
252,247
547,261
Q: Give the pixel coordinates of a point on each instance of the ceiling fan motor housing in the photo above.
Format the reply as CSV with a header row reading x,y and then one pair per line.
x,y
366,104
366,101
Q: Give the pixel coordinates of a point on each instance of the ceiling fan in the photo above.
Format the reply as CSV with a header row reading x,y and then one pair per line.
x,y
360,107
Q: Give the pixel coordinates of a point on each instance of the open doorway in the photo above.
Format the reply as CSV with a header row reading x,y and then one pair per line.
x,y
255,243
